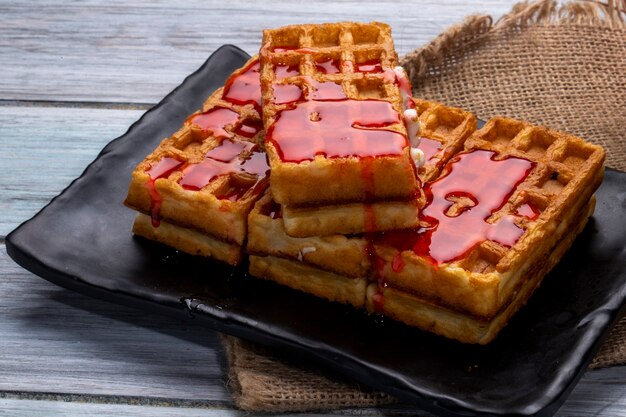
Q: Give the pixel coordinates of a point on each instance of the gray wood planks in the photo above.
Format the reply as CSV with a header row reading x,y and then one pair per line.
x,y
29,408
42,149
58,341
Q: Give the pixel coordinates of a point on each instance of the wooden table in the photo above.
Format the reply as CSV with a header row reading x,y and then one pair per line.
x,y
74,77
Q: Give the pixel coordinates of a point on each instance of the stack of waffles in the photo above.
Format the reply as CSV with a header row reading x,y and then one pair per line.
x,y
334,110
392,204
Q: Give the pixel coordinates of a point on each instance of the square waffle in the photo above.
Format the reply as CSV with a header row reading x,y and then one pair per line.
x,y
334,105
493,213
442,134
195,190
498,217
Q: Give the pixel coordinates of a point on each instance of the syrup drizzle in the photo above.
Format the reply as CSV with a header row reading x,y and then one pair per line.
x,y
249,128
325,91
378,300
228,158
287,93
336,129
284,71
280,49
378,266
478,185
237,190
429,147
335,126
161,169
215,121
373,66
245,88
528,210
330,66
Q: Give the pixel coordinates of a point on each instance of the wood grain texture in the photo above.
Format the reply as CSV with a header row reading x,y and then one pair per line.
x,y
29,408
42,149
136,52
57,341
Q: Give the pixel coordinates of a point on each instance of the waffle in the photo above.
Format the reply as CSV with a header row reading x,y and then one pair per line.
x,y
337,253
498,216
527,179
198,186
431,315
444,130
331,267
442,134
334,110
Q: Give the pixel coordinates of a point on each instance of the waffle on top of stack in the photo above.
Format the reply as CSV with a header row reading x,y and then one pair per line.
x,y
333,109
499,207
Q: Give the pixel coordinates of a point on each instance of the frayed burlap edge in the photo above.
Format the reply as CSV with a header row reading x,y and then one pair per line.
x,y
466,61
544,12
262,382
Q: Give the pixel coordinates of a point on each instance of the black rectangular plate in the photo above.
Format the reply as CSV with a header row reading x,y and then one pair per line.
x,y
82,241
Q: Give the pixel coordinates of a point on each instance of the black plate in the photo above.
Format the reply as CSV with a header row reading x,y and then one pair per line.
x,y
82,241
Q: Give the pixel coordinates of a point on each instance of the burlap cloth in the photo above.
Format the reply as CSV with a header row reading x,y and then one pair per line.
x,y
559,65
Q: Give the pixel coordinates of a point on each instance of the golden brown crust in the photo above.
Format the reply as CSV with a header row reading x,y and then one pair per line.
x,y
336,253
314,281
352,218
450,126
207,210
485,280
337,179
431,316
187,240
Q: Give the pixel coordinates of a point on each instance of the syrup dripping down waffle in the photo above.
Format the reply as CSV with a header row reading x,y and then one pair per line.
x,y
497,218
195,190
334,105
337,259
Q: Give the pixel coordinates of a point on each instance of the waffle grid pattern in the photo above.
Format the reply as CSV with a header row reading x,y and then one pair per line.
x,y
345,46
448,126
211,197
560,159
191,143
